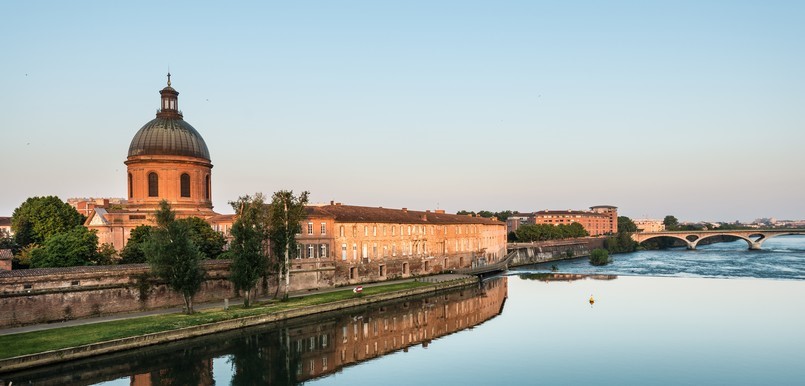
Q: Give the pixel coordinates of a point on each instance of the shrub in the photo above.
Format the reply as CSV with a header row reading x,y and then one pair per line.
x,y
600,257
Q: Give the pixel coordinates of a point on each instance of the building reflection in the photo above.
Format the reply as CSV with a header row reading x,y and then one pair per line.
x,y
292,352
548,277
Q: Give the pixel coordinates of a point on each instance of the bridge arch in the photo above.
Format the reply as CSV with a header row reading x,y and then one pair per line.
x,y
680,237
753,244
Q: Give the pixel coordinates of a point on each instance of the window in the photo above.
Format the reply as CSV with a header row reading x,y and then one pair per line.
x,y
153,185
341,231
393,230
365,251
207,187
409,230
185,184
131,187
374,230
394,249
366,231
311,252
382,271
374,250
354,251
310,228
343,251
324,228
384,230
323,250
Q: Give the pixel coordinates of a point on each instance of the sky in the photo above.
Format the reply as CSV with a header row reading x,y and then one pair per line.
x,y
689,108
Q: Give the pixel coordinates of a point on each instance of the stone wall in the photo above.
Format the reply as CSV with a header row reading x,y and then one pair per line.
x,y
541,252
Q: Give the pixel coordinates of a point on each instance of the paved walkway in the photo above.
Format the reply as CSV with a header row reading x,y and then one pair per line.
x,y
210,305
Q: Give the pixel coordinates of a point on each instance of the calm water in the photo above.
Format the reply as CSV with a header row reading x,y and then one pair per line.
x,y
719,315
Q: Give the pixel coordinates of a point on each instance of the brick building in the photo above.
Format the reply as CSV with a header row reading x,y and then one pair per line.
x,y
167,160
370,244
599,220
649,225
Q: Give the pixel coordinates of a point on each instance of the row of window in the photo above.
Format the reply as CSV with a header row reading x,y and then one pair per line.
x,y
411,229
184,185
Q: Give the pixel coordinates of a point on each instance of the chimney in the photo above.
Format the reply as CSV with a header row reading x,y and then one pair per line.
x,y
440,211
424,217
332,202
405,210
337,204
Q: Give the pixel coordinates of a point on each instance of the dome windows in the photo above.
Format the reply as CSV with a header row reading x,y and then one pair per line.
x,y
185,185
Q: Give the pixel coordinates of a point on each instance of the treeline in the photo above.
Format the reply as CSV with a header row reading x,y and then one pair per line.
x,y
502,215
544,232
49,233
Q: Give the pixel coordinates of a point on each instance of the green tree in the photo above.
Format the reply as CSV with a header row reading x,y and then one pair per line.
x,y
208,241
625,224
75,247
133,253
38,218
670,222
248,248
600,257
285,215
173,256
504,215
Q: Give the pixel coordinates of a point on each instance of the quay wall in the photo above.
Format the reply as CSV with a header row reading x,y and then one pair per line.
x,y
540,252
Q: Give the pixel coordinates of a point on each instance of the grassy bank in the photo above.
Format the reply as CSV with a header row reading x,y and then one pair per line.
x,y
58,338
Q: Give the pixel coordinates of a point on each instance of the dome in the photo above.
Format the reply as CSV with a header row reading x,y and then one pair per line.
x,y
168,136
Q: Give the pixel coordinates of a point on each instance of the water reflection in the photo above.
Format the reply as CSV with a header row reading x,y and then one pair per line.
x,y
548,277
288,353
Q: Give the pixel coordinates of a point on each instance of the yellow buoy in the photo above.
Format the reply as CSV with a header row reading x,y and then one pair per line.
x,y
592,300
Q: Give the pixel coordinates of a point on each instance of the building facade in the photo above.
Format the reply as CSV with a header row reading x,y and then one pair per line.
x,y
599,220
649,225
366,244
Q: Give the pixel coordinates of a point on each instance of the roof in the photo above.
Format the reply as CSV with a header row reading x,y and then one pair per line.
x,y
5,254
349,213
569,212
5,221
604,206
169,136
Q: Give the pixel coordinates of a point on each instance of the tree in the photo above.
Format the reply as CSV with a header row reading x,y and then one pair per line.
x,y
600,257
248,248
38,218
76,247
208,241
285,215
625,224
670,222
133,253
173,256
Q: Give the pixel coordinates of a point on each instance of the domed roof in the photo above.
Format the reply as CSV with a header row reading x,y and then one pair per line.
x,y
169,136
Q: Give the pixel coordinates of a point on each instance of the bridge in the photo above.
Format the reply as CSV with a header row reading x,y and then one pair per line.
x,y
753,237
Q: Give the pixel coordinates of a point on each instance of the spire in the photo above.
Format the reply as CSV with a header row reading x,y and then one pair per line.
x,y
169,78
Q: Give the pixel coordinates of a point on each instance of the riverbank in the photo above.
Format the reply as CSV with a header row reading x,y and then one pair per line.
x,y
22,350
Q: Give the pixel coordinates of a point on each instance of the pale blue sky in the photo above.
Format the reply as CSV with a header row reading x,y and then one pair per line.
x,y
691,108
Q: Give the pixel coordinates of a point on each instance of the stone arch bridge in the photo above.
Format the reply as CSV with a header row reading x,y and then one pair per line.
x,y
753,237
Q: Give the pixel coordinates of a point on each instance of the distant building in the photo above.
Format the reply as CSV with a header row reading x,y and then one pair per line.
x,y
649,225
5,226
86,205
599,220
514,221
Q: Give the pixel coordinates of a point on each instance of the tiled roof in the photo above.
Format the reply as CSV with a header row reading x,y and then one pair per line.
x,y
5,254
569,212
349,213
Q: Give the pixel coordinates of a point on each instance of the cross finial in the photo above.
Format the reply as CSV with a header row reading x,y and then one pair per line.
x,y
169,79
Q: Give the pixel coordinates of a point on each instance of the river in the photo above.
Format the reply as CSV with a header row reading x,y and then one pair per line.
x,y
717,315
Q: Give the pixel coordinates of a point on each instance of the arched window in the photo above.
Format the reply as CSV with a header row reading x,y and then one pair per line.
x,y
131,187
153,185
207,187
185,184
